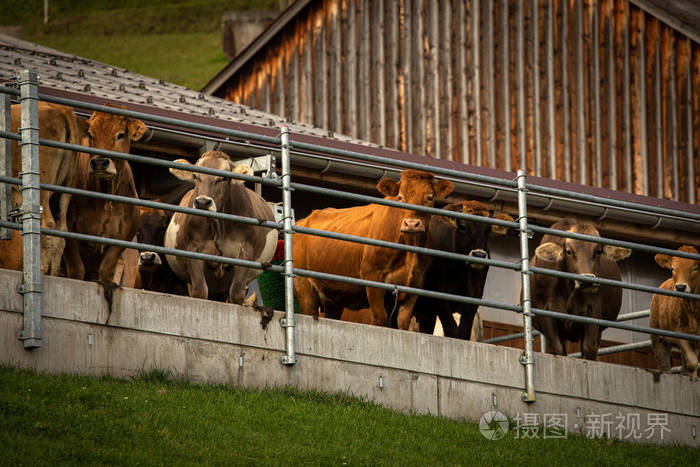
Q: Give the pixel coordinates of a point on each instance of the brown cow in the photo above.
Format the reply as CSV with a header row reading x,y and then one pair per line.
x,y
575,297
99,217
57,167
367,262
677,314
216,237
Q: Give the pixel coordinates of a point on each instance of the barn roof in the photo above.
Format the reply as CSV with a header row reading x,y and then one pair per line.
x,y
66,72
681,15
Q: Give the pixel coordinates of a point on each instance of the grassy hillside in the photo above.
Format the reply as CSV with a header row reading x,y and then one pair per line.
x,y
152,420
175,40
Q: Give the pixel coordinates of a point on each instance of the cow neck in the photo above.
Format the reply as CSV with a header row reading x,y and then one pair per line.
x,y
692,308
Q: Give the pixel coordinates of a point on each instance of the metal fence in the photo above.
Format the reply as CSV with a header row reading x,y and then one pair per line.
x,y
288,150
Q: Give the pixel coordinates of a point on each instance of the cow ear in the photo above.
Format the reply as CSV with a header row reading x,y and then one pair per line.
x,y
243,170
500,229
616,253
663,260
182,174
550,251
136,129
388,187
443,188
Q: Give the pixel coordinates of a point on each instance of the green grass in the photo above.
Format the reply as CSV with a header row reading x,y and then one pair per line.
x,y
154,420
178,41
189,60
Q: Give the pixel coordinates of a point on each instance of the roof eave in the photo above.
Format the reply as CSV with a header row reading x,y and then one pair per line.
x,y
254,47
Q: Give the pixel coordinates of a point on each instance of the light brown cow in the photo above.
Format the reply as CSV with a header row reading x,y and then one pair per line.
x,y
57,167
217,237
367,262
92,216
677,314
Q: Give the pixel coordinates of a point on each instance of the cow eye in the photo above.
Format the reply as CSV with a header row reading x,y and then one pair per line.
x,y
120,135
400,197
696,268
569,252
598,253
89,133
194,176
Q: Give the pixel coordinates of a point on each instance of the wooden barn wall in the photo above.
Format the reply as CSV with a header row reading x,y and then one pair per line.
x,y
592,92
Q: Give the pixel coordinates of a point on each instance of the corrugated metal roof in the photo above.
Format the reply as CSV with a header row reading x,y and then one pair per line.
x,y
68,72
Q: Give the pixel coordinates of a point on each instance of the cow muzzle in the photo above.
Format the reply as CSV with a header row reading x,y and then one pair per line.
x,y
412,226
682,287
587,287
102,167
205,202
149,258
478,253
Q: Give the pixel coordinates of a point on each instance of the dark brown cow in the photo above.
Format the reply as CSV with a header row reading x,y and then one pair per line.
x,y
99,217
575,297
216,237
58,167
367,262
457,277
677,314
153,272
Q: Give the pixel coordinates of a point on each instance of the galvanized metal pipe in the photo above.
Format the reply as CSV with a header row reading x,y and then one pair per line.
x,y
565,90
5,164
507,126
690,133
618,348
551,101
535,78
520,70
31,209
528,358
615,325
580,99
288,322
595,82
508,337
476,79
633,315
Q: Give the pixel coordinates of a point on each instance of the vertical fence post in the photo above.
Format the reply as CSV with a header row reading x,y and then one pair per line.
x,y
288,322
5,164
31,209
527,359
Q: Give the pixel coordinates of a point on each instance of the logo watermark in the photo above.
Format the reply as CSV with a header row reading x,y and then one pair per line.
x,y
494,425
631,426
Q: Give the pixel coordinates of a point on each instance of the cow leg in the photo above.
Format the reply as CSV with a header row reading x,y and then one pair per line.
x,y
197,286
555,345
449,326
425,316
237,290
52,247
690,357
75,269
306,296
109,263
662,354
591,341
406,312
466,321
378,313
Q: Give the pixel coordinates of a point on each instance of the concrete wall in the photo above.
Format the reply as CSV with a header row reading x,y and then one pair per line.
x,y
220,343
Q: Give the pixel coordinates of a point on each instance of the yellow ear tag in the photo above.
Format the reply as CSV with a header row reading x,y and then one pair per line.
x,y
452,221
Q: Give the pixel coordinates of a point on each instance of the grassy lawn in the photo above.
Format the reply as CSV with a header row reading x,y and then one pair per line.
x,y
154,420
189,60
175,40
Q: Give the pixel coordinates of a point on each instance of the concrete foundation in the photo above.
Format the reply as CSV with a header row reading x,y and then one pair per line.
x,y
219,343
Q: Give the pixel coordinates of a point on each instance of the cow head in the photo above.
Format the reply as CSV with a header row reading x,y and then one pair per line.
x,y
685,272
113,133
154,222
472,237
211,191
581,257
415,187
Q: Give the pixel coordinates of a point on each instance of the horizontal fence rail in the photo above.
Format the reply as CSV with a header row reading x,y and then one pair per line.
x,y
286,146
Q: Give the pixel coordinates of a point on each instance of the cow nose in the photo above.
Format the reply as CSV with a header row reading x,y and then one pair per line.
x,y
479,253
149,257
587,285
203,202
682,287
412,226
99,163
